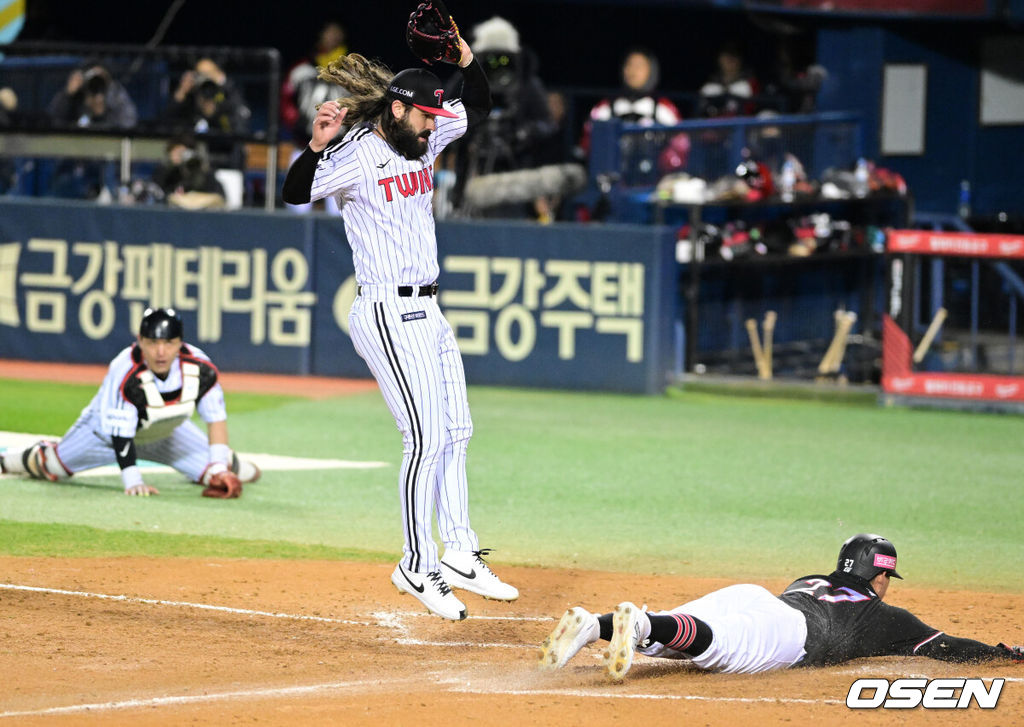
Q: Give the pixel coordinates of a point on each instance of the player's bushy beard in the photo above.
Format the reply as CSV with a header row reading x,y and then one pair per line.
x,y
403,137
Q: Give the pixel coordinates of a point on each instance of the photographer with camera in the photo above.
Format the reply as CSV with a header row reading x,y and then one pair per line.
x,y
186,178
206,102
93,99
512,136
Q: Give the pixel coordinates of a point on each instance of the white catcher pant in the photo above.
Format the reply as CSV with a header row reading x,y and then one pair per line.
x,y
187,449
411,351
753,631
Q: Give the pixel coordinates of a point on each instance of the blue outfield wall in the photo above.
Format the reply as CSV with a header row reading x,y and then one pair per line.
x,y
561,306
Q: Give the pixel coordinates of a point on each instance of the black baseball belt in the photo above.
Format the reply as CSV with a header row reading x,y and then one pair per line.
x,y
406,291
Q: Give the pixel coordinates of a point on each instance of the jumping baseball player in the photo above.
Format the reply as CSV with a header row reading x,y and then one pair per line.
x,y
381,174
144,409
818,620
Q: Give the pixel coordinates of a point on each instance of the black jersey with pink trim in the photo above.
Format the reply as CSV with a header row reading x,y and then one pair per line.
x,y
847,620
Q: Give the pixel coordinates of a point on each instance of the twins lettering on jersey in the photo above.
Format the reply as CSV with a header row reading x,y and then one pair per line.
x,y
408,184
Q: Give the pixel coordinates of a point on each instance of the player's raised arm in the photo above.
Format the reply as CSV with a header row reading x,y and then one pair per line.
x,y
476,91
299,180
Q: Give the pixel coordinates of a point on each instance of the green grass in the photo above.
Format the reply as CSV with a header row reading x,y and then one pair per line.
x,y
49,408
694,483
34,539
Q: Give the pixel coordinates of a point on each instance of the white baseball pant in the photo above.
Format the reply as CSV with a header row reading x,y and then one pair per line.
x,y
187,449
411,351
752,631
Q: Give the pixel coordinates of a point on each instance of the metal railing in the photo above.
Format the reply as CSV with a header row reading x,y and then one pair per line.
x,y
635,154
36,71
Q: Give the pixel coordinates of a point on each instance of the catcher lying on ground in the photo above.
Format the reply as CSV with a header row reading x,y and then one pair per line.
x,y
144,408
817,621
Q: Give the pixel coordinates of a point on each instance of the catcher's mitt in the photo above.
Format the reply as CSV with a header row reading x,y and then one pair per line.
x,y
432,35
224,485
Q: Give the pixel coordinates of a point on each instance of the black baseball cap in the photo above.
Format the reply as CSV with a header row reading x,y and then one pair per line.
x,y
420,88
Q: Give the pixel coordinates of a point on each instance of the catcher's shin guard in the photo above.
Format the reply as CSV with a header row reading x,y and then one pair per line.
x,y
41,462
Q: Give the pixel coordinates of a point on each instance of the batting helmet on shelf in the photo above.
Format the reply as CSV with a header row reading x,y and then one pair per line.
x,y
866,556
161,323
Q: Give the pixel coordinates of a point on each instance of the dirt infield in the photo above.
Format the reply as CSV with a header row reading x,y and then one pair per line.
x,y
304,643
148,641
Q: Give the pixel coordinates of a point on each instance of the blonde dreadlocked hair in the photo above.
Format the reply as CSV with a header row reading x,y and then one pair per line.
x,y
366,81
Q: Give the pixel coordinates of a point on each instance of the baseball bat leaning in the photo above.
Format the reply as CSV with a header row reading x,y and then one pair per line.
x,y
826,361
769,332
755,346
929,335
833,357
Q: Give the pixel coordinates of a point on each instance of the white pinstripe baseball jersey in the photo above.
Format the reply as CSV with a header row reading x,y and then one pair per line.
x,y
89,441
385,201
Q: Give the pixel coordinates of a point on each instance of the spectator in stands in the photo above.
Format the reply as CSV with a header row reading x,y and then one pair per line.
x,y
795,82
303,91
186,178
207,102
8,106
637,102
731,89
8,109
93,99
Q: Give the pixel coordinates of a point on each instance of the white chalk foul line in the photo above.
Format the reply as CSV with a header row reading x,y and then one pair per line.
x,y
397,620
619,695
387,619
475,644
416,614
194,698
182,604
372,683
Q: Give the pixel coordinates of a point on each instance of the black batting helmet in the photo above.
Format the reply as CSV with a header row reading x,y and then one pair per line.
x,y
161,323
866,556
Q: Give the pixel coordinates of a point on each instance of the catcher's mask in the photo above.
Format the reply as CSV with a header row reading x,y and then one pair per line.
x,y
162,323
420,88
866,556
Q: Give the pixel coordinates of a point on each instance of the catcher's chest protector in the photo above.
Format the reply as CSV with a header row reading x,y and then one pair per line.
x,y
157,417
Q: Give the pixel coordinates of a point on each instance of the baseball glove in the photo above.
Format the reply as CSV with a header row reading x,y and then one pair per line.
x,y
224,485
432,35
1016,652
